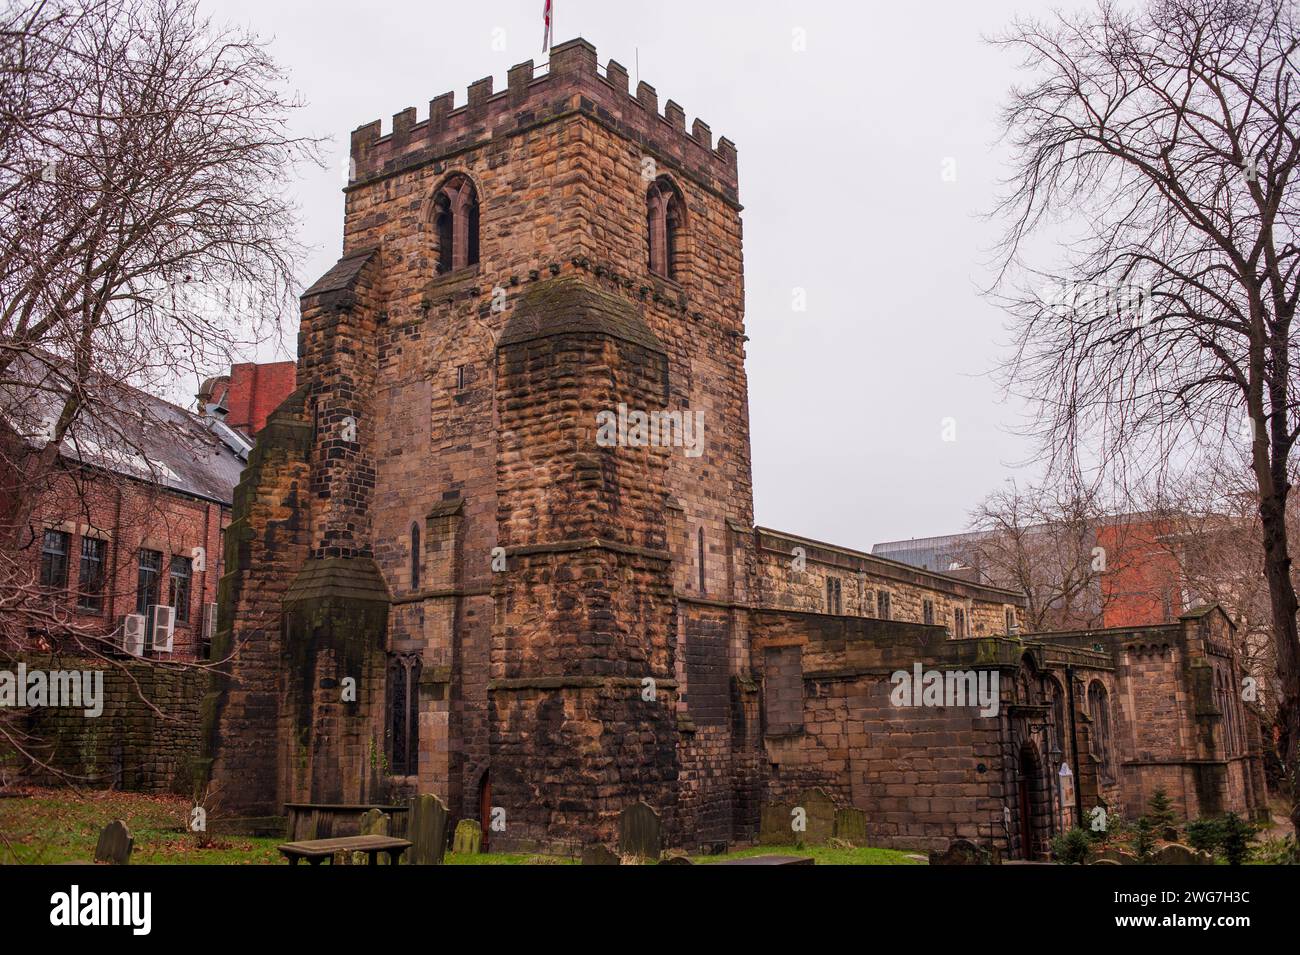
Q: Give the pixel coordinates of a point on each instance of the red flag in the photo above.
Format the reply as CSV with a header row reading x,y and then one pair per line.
x,y
546,18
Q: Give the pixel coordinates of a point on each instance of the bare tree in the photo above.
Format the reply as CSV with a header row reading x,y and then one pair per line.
x,y
1042,540
1163,142
144,230
145,237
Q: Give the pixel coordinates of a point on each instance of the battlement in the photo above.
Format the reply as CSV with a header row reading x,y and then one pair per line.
x,y
572,81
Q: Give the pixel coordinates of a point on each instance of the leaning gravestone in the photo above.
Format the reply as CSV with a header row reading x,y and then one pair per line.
x,y
1178,854
426,822
819,811
600,855
468,839
774,825
638,832
851,826
115,842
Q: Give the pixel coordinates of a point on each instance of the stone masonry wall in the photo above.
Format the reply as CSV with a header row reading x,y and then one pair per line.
x,y
128,746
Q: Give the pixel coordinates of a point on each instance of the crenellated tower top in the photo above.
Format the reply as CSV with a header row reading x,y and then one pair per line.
x,y
572,82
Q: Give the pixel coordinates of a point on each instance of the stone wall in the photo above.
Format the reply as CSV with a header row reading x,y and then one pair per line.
x,y
792,574
129,745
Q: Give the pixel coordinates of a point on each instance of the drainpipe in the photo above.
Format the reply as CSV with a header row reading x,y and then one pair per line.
x,y
1074,745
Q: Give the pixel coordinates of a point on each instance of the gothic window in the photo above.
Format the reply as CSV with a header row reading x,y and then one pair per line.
x,y
882,604
404,714
1011,620
958,622
834,595
415,556
927,611
455,224
1099,712
664,219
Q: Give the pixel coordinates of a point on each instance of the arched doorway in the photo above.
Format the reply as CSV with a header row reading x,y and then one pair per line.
x,y
1032,804
485,807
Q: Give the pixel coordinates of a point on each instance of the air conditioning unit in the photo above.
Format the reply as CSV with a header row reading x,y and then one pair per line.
x,y
162,626
209,622
133,631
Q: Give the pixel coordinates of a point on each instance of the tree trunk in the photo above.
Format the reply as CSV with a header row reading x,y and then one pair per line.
x,y
1282,598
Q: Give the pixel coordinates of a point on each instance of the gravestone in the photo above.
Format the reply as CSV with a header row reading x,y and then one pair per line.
x,y
851,826
115,843
426,822
1117,856
374,822
774,825
468,839
638,832
960,852
600,855
820,818
1178,854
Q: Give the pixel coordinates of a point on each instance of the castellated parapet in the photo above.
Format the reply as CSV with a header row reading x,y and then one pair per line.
x,y
572,83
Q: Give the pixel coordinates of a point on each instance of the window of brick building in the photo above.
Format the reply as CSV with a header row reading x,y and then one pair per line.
x,y
182,572
404,714
882,604
90,575
927,611
664,218
834,595
958,622
456,224
54,560
148,580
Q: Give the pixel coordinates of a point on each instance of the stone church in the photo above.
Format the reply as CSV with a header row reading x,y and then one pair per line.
x,y
441,579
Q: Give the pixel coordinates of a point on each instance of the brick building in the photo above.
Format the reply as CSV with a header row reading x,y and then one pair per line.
x,y
499,544
131,517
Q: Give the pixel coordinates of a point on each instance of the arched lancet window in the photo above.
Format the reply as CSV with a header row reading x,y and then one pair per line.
x,y
415,556
404,714
455,224
1099,711
700,543
664,220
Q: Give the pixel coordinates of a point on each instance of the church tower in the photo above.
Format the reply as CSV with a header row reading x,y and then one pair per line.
x,y
511,498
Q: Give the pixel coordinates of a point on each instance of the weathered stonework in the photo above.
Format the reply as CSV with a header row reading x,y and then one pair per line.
x,y
595,625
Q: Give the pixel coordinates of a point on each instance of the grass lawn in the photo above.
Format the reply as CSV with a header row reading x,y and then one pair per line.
x,y
825,855
62,825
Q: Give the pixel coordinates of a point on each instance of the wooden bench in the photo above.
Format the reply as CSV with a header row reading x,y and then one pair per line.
x,y
316,851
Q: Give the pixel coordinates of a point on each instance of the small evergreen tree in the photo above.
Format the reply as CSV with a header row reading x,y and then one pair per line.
x,y
1071,848
1237,834
1144,839
1161,811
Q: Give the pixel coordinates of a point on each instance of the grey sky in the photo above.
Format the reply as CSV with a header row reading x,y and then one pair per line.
x,y
842,152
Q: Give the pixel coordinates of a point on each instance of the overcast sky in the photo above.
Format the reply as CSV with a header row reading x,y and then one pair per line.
x,y
843,151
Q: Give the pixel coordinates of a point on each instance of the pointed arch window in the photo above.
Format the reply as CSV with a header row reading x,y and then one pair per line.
x,y
455,224
664,220
404,713
1099,712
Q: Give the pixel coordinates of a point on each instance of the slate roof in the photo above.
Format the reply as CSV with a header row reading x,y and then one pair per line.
x,y
130,432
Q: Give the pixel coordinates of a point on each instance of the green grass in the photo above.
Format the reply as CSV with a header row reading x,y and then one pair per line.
x,y
58,825
62,825
824,855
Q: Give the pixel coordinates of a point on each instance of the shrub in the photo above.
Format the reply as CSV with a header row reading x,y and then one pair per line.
x,y
1161,811
1237,834
1071,848
1205,834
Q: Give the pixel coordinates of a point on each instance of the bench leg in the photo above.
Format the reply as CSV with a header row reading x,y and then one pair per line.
x,y
317,861
372,857
394,856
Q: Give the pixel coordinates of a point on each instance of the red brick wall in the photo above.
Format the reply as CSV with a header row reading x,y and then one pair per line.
x,y
130,515
255,390
1142,583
